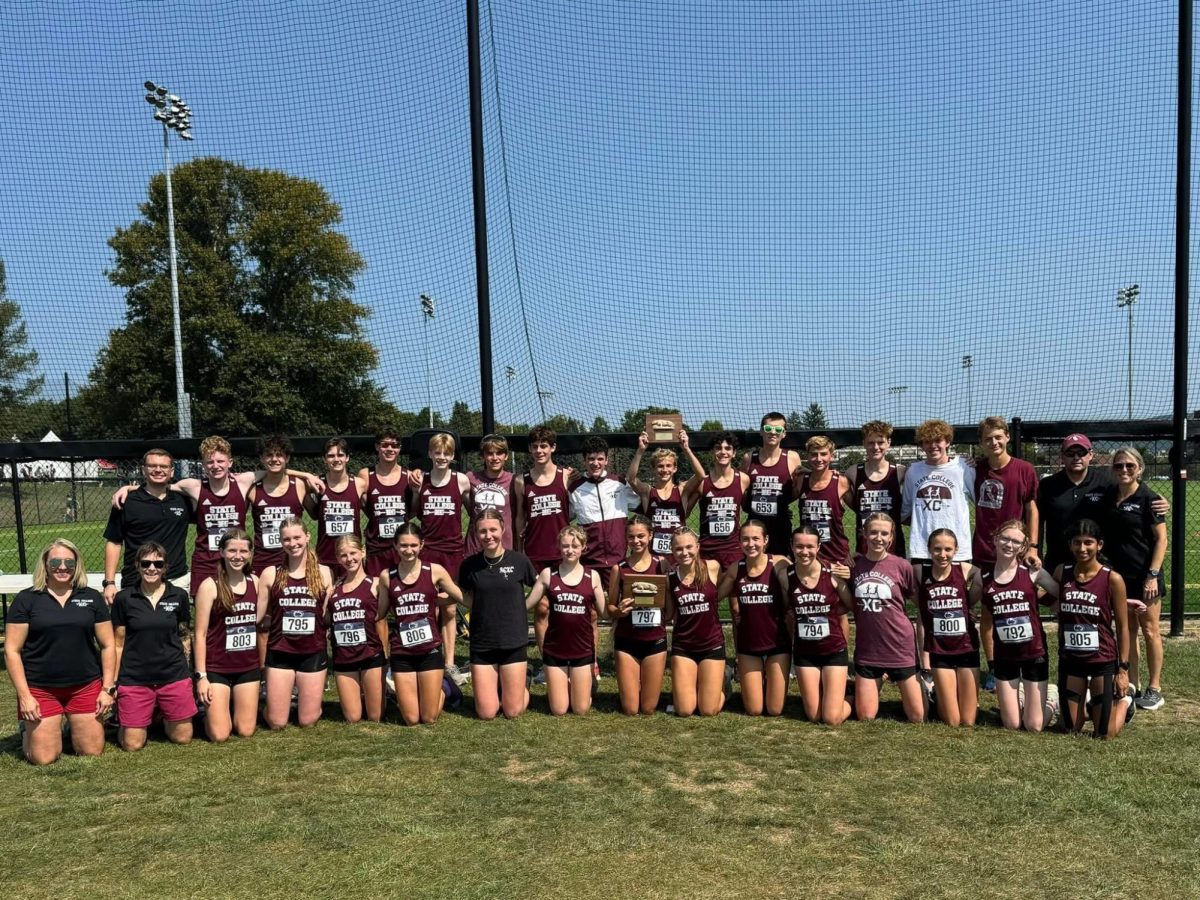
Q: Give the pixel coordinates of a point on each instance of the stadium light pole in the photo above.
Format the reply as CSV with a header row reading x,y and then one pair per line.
x,y
968,362
427,308
175,115
1126,297
897,390
510,375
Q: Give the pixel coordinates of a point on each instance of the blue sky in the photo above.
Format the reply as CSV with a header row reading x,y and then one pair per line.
x,y
726,207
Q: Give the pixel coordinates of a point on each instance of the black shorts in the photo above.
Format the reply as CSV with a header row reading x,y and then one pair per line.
x,y
895,676
435,659
803,660
1135,586
968,660
639,650
1029,669
233,679
778,651
699,656
501,657
297,662
375,662
1079,669
561,662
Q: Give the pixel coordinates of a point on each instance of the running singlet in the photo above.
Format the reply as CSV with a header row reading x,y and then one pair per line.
x,y
643,623
697,623
440,512
268,513
488,494
415,630
545,510
665,516
769,498
877,496
386,506
1015,619
214,515
822,509
569,630
761,627
338,514
231,642
945,609
1085,618
352,616
818,611
719,519
297,618
884,636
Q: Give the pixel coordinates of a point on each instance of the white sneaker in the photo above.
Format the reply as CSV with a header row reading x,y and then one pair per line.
x,y
1052,705
457,675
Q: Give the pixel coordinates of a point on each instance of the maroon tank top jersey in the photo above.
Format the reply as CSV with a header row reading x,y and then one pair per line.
x,y
569,630
769,498
214,515
268,513
232,638
697,623
1085,618
338,513
665,516
877,496
822,509
945,609
761,627
488,493
547,511
386,506
642,623
818,611
1015,618
297,618
719,520
414,608
440,512
352,617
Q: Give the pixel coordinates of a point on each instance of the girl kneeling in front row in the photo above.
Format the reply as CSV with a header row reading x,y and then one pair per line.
x,y
698,642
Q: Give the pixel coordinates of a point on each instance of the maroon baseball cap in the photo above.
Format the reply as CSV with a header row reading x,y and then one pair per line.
x,y
1076,440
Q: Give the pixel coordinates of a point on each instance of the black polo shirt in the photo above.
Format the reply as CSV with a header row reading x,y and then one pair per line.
x,y
1129,527
145,518
61,649
1061,503
499,620
153,649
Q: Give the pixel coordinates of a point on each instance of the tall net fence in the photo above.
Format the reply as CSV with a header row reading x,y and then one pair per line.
x,y
892,210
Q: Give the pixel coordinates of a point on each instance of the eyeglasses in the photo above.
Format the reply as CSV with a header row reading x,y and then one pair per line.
x,y
1121,467
388,445
152,563
774,429
55,564
1010,542
1076,452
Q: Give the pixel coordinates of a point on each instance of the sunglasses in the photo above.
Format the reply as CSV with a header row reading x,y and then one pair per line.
x,y
774,429
1121,467
55,564
152,564
388,445
1076,453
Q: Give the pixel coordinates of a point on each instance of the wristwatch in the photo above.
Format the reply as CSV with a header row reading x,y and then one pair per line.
x,y
200,675
1123,666
108,582
1153,573
111,691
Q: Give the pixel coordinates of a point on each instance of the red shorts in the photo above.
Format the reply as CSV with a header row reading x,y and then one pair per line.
x,y
380,562
137,703
76,700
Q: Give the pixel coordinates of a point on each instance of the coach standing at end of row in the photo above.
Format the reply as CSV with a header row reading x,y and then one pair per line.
x,y
152,514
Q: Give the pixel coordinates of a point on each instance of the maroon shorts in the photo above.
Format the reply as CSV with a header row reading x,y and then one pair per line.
x,y
76,700
380,561
448,561
202,568
138,703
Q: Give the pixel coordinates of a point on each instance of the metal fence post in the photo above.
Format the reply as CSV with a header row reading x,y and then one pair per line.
x,y
16,489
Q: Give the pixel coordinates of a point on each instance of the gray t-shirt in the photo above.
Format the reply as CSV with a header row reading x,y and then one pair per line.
x,y
936,497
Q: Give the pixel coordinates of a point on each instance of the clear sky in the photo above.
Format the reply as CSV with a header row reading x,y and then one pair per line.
x,y
725,207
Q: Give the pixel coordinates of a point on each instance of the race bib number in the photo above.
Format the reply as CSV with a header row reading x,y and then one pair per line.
x,y
388,527
812,628
338,527
298,621
1084,638
272,539
647,618
823,533
242,637
349,634
415,634
661,546
765,507
214,542
1018,630
950,625
720,527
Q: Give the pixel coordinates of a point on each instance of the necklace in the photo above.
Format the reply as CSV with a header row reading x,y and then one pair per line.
x,y
499,559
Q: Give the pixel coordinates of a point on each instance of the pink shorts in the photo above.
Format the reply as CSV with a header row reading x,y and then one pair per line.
x,y
76,700
136,704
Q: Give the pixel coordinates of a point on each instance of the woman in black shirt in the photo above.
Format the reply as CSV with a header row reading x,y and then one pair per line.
x,y
152,624
58,645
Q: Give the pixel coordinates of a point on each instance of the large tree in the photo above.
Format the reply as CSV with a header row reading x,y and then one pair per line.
x,y
271,337
18,385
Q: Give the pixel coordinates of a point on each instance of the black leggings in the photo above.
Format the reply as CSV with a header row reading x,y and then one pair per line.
x,y
1106,703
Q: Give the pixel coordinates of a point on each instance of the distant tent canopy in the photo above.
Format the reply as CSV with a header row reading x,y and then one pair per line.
x,y
59,469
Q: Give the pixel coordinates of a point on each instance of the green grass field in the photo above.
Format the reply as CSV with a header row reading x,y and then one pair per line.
x,y
604,806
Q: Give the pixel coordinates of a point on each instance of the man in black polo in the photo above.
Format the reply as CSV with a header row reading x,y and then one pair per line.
x,y
153,512
1074,492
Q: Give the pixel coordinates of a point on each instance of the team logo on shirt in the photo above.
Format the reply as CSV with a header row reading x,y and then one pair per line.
x,y
991,494
935,493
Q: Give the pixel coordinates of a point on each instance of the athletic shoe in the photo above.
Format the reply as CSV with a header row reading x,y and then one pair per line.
x,y
1052,704
1150,700
1130,707
989,683
730,671
926,678
596,676
457,675
387,681
540,677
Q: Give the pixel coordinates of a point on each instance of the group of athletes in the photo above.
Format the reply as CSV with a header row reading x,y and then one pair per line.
x,y
375,596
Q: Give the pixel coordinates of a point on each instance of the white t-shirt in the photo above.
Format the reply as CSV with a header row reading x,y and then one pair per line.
x,y
936,497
